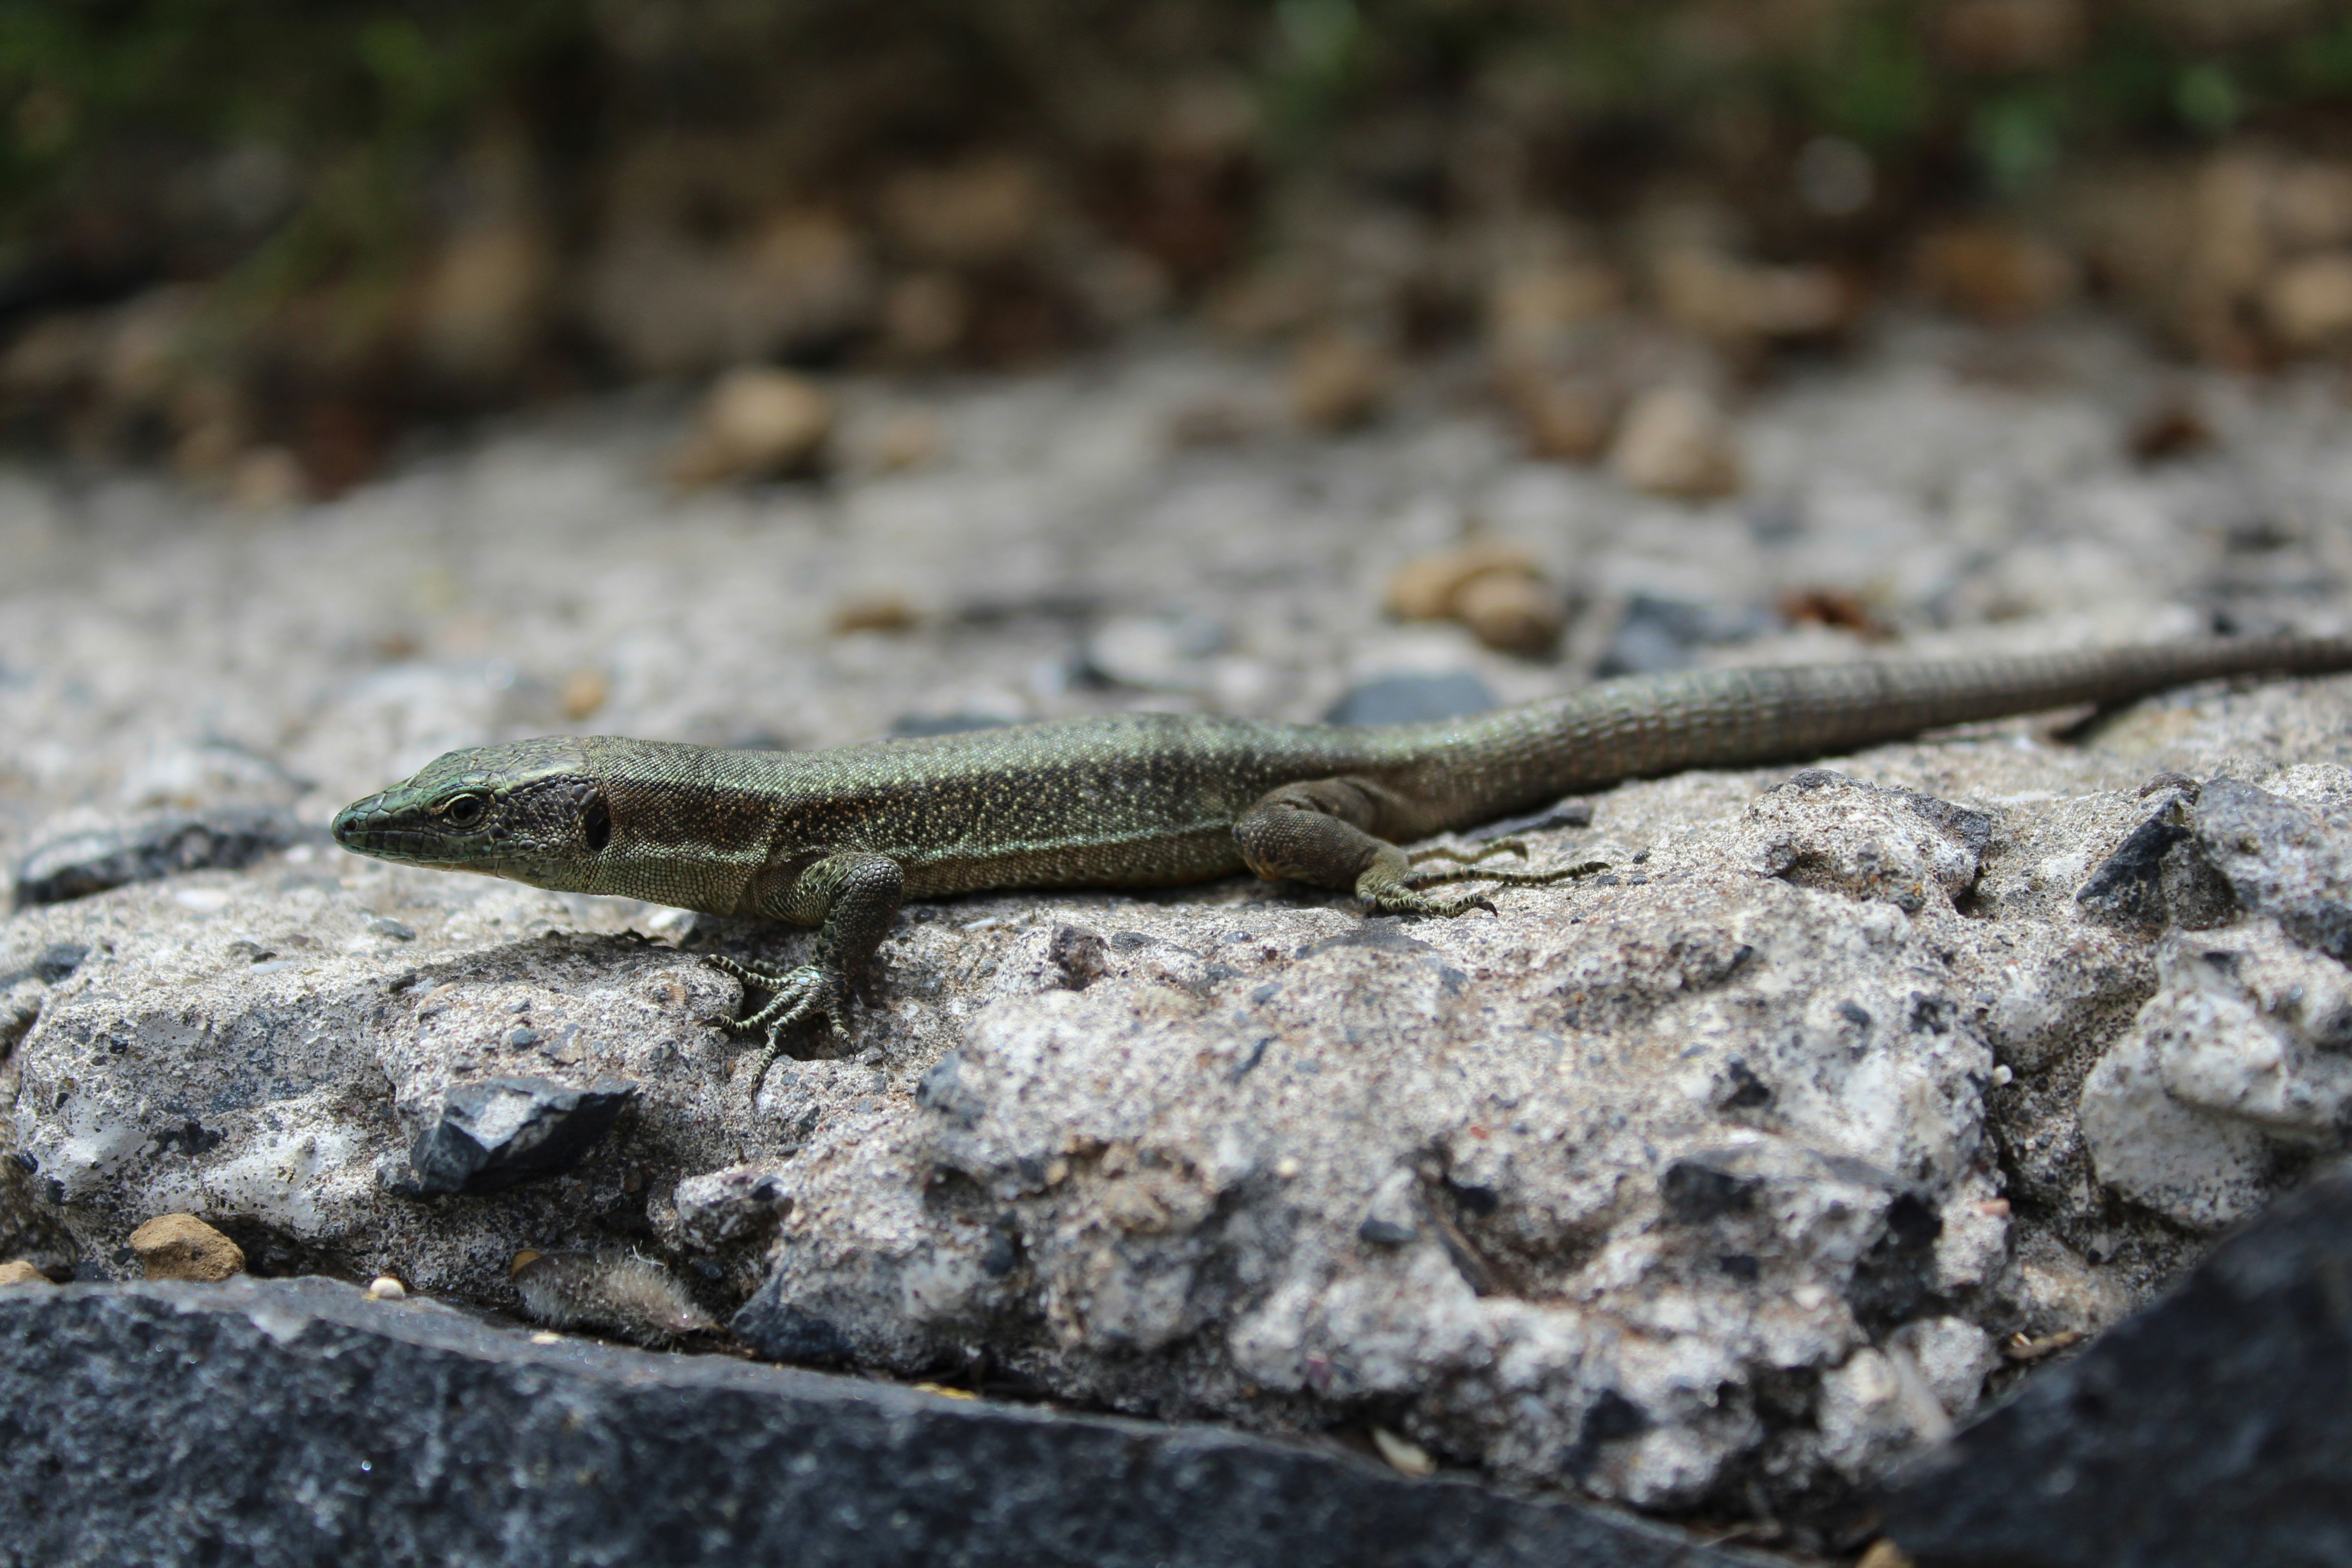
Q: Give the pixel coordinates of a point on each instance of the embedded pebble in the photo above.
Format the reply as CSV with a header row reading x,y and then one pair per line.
x,y
182,1246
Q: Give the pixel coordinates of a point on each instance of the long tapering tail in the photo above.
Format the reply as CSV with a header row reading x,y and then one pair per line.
x,y
1646,725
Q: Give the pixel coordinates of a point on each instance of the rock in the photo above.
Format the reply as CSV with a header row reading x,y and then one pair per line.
x,y
2281,859
925,315
2209,1427
1156,653
1492,586
670,302
1512,614
1412,699
1724,297
483,303
224,838
2308,303
756,423
384,1288
1429,587
19,1271
623,1293
1562,419
493,1134
1674,442
1338,380
583,692
2172,428
182,1246
1994,272
724,1462
2159,876
721,1208
1821,829
1656,634
874,612
986,209
2237,1059
1533,308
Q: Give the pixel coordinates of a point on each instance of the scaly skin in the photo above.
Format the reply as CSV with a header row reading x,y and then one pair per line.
x,y
836,839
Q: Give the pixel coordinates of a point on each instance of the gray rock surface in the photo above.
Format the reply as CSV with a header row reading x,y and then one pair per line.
x,y
1707,1183
305,1424
2215,1427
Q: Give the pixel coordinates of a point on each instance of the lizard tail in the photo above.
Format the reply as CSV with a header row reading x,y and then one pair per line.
x,y
1647,725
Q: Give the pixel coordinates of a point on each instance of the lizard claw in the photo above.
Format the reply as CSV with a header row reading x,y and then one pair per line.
x,y
798,994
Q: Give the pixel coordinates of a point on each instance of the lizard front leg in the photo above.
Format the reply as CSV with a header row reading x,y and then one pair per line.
x,y
851,898
1322,833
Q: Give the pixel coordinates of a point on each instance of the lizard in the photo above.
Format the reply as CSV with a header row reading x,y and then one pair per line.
x,y
837,838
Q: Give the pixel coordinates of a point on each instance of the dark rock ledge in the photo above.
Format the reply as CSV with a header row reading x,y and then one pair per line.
x,y
295,1421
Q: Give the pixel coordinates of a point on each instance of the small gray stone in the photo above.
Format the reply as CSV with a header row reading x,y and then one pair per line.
x,y
1412,699
1658,634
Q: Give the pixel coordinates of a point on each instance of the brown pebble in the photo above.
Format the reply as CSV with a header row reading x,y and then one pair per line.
x,y
585,691
384,1288
21,1272
1832,607
1563,421
1430,588
873,613
756,423
1511,613
1675,442
182,1246
2172,430
1338,380
1996,273
1883,1553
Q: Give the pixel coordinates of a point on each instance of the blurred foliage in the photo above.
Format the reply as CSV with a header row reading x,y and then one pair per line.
x,y
357,102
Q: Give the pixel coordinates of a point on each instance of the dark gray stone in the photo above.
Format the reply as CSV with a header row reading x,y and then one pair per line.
x,y
2215,1427
1412,699
294,1422
225,837
1658,634
2159,876
502,1131
1573,812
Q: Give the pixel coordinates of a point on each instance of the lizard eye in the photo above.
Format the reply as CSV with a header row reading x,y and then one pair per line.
x,y
464,811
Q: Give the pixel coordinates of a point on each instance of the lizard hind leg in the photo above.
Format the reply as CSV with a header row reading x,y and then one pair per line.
x,y
1323,833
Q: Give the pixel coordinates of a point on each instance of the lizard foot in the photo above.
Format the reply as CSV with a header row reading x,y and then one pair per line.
x,y
1407,897
1485,852
796,995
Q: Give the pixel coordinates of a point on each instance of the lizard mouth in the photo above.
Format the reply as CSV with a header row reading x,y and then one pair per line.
x,y
373,828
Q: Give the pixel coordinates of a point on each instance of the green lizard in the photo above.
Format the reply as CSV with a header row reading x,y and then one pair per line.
x,y
837,838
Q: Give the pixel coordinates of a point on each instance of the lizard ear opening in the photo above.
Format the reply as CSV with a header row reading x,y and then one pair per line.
x,y
597,823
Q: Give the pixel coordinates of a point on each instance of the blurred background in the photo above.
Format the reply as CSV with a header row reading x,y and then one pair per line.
x,y
260,242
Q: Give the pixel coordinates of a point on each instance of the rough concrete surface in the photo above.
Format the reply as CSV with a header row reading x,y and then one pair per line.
x,y
1713,1184
306,1424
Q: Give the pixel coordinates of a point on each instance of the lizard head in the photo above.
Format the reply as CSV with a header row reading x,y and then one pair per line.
x,y
532,810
